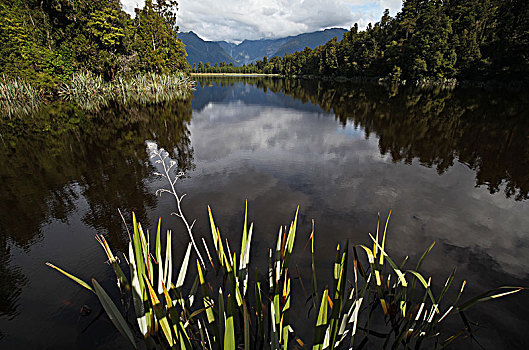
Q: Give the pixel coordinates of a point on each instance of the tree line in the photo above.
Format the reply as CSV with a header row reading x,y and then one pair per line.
x,y
427,39
265,66
46,41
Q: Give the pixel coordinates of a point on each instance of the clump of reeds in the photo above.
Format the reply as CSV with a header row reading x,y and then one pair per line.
x,y
92,93
18,96
440,84
230,317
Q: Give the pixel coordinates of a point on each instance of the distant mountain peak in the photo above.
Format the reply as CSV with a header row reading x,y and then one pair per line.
x,y
199,50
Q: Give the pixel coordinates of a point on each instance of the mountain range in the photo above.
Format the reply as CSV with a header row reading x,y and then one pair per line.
x,y
249,51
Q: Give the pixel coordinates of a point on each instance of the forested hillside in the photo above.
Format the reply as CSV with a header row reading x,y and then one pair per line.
x,y
46,41
428,39
199,50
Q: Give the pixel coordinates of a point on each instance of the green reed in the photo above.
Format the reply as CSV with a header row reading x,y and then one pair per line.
x,y
92,93
18,96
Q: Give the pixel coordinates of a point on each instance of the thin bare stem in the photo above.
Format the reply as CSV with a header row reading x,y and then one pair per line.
x,y
180,214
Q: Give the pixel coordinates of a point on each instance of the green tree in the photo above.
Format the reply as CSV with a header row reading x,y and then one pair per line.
x,y
155,41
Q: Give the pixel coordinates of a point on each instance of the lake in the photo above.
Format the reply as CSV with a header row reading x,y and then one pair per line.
x,y
453,166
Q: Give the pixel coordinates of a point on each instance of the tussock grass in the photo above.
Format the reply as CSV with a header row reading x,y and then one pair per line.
x,y
18,97
92,93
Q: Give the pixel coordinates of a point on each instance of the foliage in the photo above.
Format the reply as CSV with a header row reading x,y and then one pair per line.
x,y
229,318
17,96
155,41
91,92
45,42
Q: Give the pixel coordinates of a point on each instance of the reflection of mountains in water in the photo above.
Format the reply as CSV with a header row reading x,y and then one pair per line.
x,y
486,130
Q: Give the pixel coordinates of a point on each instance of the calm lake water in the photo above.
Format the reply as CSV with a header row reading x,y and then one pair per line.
x,y
452,166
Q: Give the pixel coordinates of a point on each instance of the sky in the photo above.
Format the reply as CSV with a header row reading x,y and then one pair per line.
x,y
236,20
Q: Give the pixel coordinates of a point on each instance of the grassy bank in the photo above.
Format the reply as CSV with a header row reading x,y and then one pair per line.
x,y
235,75
91,92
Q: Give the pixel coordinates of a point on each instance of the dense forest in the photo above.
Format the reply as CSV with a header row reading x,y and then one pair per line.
x,y
428,39
46,41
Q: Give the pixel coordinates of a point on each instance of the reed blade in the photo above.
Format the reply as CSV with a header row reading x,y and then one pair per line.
x,y
183,267
160,314
321,323
229,330
158,253
137,294
72,277
113,313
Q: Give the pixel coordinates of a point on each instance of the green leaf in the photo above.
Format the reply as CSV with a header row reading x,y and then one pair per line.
x,y
321,323
246,326
122,280
392,264
168,272
384,239
485,296
244,231
81,282
424,283
113,313
229,330
160,314
137,294
183,267
158,253
290,241
208,302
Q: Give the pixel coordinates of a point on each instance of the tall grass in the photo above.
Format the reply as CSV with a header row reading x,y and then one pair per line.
x,y
18,97
92,93
243,313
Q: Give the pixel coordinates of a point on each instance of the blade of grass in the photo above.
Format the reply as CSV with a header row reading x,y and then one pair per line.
x,y
113,313
321,322
290,241
168,271
158,252
229,330
183,267
160,314
137,293
72,277
122,280
485,296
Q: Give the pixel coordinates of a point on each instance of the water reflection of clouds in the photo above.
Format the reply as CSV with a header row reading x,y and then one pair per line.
x,y
351,130
257,151
277,154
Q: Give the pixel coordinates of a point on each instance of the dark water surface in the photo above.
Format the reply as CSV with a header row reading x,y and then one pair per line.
x,y
453,167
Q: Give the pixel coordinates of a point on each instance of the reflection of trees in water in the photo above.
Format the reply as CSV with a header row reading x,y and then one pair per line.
x,y
486,130
11,282
61,155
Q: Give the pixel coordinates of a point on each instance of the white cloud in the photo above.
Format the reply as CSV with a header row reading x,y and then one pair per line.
x,y
238,20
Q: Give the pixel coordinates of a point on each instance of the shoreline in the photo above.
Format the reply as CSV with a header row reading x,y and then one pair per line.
x,y
236,74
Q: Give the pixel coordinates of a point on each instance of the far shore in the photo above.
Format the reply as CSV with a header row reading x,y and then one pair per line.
x,y
237,74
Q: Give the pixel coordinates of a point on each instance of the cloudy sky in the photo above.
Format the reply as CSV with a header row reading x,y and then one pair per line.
x,y
235,20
